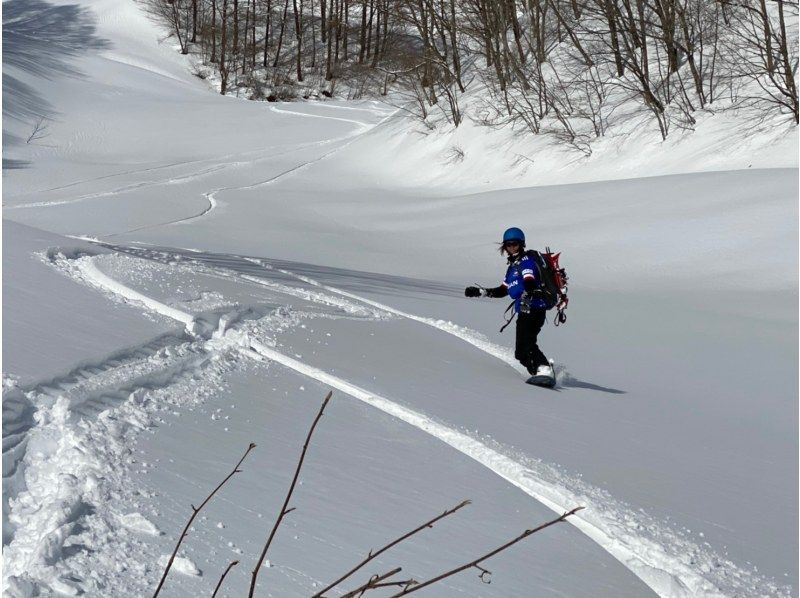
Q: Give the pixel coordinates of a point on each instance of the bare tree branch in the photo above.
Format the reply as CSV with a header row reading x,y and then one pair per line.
x,y
378,581
374,554
195,511
222,578
39,131
284,509
476,562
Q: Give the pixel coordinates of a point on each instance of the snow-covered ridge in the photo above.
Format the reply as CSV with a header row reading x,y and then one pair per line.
x,y
473,158
669,564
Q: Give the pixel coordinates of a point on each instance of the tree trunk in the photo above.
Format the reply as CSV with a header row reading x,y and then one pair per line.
x,y
280,35
363,35
690,49
298,17
454,45
235,46
267,31
194,21
377,36
313,38
213,31
246,30
369,28
223,69
787,67
329,59
323,8
611,19
512,13
345,27
767,37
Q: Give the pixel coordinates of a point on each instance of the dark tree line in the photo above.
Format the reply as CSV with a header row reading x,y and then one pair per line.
x,y
561,67
280,43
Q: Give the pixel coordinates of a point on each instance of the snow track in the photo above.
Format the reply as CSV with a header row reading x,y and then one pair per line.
x,y
666,562
211,196
465,334
175,179
66,464
224,163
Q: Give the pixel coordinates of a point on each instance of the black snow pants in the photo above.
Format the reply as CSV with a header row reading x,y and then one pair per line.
x,y
527,351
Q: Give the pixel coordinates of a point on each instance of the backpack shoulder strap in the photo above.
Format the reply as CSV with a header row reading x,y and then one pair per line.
x,y
539,262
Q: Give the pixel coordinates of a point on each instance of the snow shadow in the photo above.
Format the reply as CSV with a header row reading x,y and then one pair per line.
x,y
358,281
39,40
12,164
570,381
17,420
287,271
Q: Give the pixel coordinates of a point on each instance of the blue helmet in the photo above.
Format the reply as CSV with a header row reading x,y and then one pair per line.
x,y
514,234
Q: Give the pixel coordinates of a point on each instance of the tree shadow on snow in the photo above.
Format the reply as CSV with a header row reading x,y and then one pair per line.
x,y
40,39
11,164
354,281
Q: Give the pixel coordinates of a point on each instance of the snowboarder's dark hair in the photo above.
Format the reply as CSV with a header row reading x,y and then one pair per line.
x,y
502,245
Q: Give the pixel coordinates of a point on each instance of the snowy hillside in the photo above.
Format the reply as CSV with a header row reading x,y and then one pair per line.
x,y
185,273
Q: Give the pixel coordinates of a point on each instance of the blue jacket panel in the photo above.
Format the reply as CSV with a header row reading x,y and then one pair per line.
x,y
514,281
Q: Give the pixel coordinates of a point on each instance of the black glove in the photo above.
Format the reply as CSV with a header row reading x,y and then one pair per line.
x,y
525,303
472,292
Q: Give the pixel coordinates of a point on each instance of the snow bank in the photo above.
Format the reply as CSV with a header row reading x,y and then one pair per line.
x,y
473,157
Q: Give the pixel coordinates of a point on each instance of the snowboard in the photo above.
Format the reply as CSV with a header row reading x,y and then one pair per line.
x,y
544,381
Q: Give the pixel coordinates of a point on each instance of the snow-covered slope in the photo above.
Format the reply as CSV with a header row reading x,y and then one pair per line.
x,y
248,257
474,157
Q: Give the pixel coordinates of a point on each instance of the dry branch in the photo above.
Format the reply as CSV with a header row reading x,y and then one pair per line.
x,y
476,563
39,131
222,578
379,581
284,509
195,511
374,554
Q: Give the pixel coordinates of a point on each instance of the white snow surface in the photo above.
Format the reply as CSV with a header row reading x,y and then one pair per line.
x,y
181,565
186,273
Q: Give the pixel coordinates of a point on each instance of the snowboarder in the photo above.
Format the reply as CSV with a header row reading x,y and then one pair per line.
x,y
521,284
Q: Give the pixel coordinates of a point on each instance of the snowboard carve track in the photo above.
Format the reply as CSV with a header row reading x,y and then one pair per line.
x,y
234,161
211,196
663,568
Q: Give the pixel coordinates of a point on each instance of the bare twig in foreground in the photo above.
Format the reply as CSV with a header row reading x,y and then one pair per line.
x,y
284,508
476,562
195,511
375,554
222,578
39,131
379,581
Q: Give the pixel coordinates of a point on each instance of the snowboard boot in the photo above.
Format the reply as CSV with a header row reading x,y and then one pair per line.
x,y
545,370
544,376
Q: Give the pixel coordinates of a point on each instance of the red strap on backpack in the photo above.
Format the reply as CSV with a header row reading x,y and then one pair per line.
x,y
561,279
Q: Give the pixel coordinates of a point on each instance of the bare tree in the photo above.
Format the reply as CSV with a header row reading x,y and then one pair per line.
x,y
550,66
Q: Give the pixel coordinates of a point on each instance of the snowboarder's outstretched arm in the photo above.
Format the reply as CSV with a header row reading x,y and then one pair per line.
x,y
529,286
496,292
